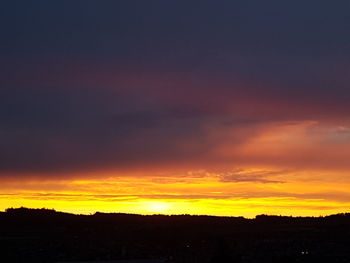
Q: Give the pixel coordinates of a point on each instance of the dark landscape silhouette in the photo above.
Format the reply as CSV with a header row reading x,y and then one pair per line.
x,y
44,235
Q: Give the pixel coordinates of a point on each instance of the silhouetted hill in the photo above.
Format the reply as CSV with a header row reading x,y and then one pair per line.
x,y
44,235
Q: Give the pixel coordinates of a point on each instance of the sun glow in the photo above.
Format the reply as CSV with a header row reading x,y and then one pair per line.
x,y
245,192
157,206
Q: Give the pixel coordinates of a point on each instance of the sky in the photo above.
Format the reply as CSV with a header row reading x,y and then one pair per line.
x,y
233,108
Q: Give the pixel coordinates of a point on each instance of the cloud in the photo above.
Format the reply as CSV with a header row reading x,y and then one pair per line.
x,y
321,197
124,86
242,176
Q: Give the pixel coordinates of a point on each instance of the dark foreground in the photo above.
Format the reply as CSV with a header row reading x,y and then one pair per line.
x,y
28,235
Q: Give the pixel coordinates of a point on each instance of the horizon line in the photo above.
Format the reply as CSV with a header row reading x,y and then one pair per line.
x,y
169,215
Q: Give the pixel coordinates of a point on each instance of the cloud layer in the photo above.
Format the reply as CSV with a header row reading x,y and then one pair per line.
x,y
155,87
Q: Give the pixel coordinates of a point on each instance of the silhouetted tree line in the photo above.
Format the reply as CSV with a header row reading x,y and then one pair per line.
x,y
44,235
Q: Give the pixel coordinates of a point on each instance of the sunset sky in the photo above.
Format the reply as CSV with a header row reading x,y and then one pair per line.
x,y
232,108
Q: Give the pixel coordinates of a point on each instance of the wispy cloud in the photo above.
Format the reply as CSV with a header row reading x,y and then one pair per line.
x,y
242,176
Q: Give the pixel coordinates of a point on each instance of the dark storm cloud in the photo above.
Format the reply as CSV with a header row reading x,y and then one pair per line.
x,y
103,84
45,130
159,28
